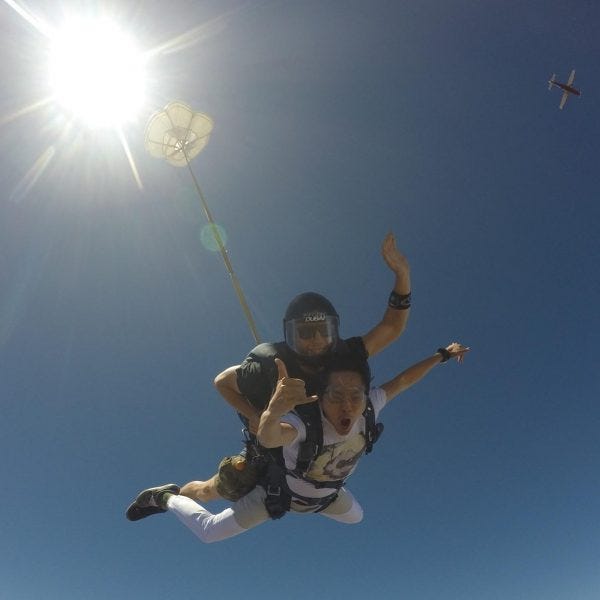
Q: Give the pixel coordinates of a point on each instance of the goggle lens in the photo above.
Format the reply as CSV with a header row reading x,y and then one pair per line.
x,y
301,334
307,332
338,395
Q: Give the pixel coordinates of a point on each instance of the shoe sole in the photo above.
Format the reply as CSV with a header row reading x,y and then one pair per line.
x,y
135,512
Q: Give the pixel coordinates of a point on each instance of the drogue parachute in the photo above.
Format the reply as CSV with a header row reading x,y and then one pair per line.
x,y
178,134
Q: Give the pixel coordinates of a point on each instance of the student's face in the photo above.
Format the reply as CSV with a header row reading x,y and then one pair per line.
x,y
344,400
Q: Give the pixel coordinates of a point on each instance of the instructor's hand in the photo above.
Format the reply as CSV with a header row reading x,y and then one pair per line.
x,y
393,258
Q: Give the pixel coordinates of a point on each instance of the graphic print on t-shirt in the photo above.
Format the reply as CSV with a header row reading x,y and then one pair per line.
x,y
337,461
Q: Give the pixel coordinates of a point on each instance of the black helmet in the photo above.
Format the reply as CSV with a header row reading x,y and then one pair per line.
x,y
306,315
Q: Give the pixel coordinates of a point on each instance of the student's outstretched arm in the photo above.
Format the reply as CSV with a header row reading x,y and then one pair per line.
x,y
396,315
415,373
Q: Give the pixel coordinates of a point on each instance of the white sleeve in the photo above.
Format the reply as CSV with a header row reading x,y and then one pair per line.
x,y
378,399
296,422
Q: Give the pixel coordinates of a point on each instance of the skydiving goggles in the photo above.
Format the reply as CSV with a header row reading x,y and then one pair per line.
x,y
307,332
303,329
338,394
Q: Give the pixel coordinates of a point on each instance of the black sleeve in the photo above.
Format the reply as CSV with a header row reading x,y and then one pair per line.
x,y
257,375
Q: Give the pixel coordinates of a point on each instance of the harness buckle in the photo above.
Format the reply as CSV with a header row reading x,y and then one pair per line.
x,y
273,490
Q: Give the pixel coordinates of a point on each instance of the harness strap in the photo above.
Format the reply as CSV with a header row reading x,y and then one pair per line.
x,y
278,497
373,430
312,445
317,484
320,503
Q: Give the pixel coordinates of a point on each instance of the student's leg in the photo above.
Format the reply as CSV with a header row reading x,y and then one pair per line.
x,y
344,509
246,513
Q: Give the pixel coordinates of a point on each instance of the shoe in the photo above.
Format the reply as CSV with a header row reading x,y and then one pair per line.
x,y
150,502
135,512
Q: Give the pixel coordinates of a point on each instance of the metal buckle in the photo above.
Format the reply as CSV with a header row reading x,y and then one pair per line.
x,y
271,492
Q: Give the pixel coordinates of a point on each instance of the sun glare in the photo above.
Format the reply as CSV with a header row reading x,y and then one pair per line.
x,y
97,73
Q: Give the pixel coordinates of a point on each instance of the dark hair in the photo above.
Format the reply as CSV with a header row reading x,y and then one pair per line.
x,y
344,362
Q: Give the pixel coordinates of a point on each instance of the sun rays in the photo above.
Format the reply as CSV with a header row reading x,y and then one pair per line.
x,y
96,79
97,72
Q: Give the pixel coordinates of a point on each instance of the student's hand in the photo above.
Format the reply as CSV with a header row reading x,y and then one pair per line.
x,y
393,258
457,351
288,393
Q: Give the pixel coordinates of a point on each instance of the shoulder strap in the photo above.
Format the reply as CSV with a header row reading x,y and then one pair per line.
x,y
313,443
372,429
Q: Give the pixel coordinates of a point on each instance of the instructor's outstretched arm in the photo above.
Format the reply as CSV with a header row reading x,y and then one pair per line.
x,y
396,315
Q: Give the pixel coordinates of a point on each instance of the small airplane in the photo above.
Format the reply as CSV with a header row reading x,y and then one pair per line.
x,y
567,88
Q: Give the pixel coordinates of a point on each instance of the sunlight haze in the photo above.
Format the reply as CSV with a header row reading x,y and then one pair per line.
x,y
97,72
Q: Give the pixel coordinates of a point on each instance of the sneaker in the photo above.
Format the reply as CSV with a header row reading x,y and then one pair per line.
x,y
150,502
135,512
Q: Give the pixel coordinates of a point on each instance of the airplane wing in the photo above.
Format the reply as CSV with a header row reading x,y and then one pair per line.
x,y
571,77
563,99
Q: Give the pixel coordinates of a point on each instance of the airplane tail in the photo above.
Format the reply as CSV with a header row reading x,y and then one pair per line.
x,y
551,81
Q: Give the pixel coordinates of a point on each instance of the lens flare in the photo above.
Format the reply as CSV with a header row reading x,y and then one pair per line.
x,y
208,237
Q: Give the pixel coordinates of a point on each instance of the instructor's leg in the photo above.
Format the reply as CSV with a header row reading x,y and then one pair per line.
x,y
203,491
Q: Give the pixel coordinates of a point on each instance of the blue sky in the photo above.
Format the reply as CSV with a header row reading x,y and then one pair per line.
x,y
335,122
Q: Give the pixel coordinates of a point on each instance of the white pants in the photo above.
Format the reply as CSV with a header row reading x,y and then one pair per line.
x,y
249,512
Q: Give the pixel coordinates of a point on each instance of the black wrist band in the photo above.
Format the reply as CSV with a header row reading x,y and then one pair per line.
x,y
399,301
445,354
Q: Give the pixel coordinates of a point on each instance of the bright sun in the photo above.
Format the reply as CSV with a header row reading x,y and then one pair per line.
x,y
97,73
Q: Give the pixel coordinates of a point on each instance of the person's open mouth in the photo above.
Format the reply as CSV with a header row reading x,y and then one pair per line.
x,y
345,422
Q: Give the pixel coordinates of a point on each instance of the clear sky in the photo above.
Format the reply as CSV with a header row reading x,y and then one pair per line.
x,y
335,122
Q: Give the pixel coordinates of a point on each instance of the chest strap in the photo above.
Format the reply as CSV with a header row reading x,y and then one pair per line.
x,y
336,485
